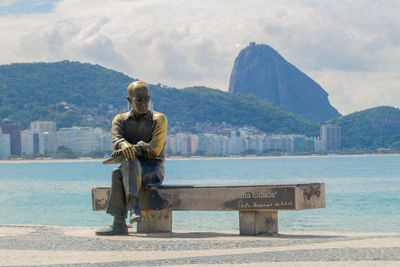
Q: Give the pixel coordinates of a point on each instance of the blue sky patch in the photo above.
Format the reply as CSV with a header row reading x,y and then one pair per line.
x,y
8,7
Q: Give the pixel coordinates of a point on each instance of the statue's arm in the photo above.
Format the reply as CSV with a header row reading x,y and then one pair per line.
x,y
117,132
154,147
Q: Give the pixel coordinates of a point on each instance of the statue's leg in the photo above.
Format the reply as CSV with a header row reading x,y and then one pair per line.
x,y
155,220
117,201
152,174
116,207
131,170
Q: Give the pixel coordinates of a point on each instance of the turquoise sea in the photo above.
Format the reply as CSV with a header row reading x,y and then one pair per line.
x,y
362,192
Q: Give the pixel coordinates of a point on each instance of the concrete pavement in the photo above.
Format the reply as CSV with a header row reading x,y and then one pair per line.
x,y
35,245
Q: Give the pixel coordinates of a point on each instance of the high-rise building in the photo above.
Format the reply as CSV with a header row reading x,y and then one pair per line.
x,y
106,141
318,145
331,138
50,141
44,126
260,143
27,142
4,145
194,143
32,142
235,142
222,145
297,143
83,139
78,139
14,130
170,144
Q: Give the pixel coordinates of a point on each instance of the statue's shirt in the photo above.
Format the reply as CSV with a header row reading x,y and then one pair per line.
x,y
146,133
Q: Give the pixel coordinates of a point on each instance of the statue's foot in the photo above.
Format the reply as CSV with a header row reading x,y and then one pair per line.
x,y
113,229
135,218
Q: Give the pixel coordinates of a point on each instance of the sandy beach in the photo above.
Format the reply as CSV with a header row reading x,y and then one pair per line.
x,y
37,245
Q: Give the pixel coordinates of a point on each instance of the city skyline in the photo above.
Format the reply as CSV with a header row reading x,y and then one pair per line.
x,y
43,138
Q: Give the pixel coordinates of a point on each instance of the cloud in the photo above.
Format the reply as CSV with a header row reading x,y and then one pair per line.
x,y
349,47
7,3
355,91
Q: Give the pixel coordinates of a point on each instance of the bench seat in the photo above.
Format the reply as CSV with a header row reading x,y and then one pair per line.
x,y
258,205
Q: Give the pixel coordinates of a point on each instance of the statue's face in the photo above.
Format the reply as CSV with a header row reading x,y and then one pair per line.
x,y
139,99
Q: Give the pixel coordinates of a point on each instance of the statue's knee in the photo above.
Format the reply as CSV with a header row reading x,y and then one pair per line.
x,y
116,174
132,163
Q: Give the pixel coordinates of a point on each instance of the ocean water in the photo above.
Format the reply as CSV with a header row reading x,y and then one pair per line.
x,y
362,192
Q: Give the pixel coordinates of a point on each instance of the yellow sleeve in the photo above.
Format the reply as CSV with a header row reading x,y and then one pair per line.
x,y
117,131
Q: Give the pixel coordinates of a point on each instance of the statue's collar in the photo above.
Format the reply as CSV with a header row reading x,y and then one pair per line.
x,y
148,115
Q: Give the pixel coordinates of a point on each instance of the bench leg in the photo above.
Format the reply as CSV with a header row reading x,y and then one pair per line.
x,y
258,222
155,221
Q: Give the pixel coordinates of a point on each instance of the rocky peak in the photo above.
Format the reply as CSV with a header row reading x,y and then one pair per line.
x,y
262,71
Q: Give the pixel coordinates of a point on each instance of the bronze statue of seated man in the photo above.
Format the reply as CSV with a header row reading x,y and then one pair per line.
x,y
139,137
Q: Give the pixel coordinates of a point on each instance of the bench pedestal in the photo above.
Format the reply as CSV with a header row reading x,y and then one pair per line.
x,y
155,221
250,222
258,222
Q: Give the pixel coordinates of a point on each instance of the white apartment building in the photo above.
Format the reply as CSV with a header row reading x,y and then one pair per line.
x,y
235,142
31,142
277,142
182,144
106,141
251,143
84,139
27,142
170,144
260,143
211,144
97,138
297,143
50,141
5,146
331,138
318,144
44,126
194,143
223,147
78,139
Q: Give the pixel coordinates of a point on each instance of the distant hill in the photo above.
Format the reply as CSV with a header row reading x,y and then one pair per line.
x,y
373,128
263,72
72,93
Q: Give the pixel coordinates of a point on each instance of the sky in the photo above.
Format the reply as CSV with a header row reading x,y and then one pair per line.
x,y
351,48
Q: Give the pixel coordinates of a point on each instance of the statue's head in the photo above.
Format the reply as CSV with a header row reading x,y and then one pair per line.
x,y
139,96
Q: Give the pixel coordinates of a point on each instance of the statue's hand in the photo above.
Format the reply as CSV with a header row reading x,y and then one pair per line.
x,y
116,153
127,149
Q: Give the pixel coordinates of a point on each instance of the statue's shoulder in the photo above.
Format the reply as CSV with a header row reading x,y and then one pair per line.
x,y
158,116
122,116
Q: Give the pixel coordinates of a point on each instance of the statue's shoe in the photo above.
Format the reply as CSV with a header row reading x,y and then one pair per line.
x,y
135,218
113,229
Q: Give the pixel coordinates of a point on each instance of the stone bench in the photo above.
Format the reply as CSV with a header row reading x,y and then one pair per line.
x,y
258,205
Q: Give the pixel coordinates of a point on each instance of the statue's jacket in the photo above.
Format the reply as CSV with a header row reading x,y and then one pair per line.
x,y
147,134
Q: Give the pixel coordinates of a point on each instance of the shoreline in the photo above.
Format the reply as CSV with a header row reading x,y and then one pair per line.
x,y
49,160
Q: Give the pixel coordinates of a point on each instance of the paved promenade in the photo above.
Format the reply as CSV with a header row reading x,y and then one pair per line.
x,y
24,245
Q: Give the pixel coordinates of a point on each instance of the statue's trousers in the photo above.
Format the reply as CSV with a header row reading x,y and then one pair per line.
x,y
128,179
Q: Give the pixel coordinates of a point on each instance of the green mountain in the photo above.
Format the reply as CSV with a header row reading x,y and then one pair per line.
x,y
371,129
72,93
